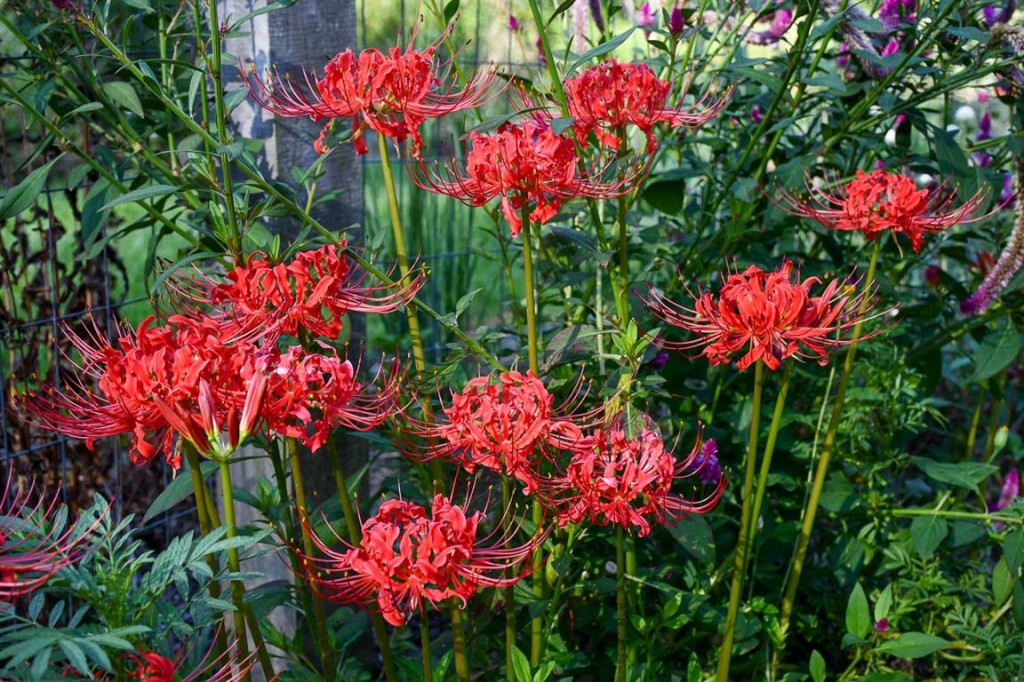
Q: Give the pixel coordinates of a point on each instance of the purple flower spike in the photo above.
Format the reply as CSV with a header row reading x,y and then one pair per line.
x,y
995,16
1007,265
676,22
513,23
646,17
706,463
781,20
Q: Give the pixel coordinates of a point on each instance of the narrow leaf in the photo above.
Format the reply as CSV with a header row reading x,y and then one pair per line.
x,y
25,193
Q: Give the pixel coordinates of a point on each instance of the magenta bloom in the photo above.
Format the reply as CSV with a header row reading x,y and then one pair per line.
x,y
780,21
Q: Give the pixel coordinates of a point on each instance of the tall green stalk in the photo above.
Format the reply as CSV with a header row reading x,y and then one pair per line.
x,y
428,666
620,604
237,589
355,536
459,643
811,508
509,592
319,617
742,543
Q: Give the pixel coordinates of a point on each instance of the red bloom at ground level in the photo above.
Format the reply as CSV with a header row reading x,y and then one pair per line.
x,y
606,98
392,94
507,424
882,201
627,481
409,555
525,164
767,315
148,666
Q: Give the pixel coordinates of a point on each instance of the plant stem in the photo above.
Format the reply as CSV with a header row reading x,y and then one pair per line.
x,y
509,592
355,536
725,655
620,604
319,618
632,594
769,448
622,300
237,589
402,253
428,667
459,643
975,421
537,623
811,509
200,491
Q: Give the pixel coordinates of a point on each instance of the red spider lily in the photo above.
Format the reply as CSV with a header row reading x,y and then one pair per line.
x,y
769,315
606,98
627,481
315,391
154,372
409,555
882,201
506,423
148,666
392,94
310,294
527,164
35,539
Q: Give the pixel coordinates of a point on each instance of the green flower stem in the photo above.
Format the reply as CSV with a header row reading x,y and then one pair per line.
x,y
993,422
459,643
237,589
622,300
537,623
620,604
632,594
319,618
769,449
556,591
811,508
415,336
200,491
972,435
509,592
355,535
742,542
428,666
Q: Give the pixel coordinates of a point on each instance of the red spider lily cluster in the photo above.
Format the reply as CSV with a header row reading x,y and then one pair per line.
x,y
615,478
149,666
879,202
766,316
393,94
409,555
32,546
607,98
198,376
507,424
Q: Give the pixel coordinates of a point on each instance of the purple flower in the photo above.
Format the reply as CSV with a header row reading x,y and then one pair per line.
x,y
1009,262
933,276
995,16
1006,196
984,127
892,47
781,20
843,59
755,114
882,625
894,12
595,11
706,463
659,360
646,16
1010,491
676,22
513,23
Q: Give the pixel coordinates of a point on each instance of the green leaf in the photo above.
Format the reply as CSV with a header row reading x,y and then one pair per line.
x,y
521,665
602,49
450,10
996,351
560,125
75,656
179,489
562,9
147,192
464,301
1013,550
1002,582
25,193
124,95
928,532
817,667
694,534
962,474
912,645
667,196
883,604
693,669
858,620
269,7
